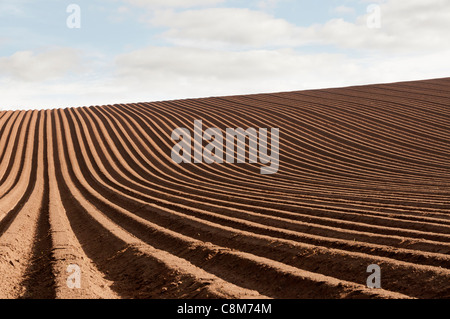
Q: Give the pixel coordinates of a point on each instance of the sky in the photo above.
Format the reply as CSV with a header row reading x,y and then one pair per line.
x,y
57,53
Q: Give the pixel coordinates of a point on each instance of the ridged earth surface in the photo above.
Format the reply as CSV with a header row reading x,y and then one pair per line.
x,y
364,179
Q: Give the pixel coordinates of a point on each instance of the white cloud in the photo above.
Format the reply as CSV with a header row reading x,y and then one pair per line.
x,y
174,3
405,26
226,51
344,10
175,72
123,9
4,40
268,4
30,67
19,95
228,27
163,73
11,8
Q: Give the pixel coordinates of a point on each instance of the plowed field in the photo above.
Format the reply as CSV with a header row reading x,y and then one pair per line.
x,y
364,179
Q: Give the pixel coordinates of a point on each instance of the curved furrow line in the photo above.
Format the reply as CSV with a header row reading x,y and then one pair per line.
x,y
2,114
397,108
144,202
346,124
280,109
6,121
135,126
312,157
166,176
435,91
10,149
11,203
363,179
137,269
16,164
107,208
114,212
329,261
152,187
66,250
435,101
314,154
138,137
7,131
160,195
332,131
126,151
381,124
181,168
426,107
243,173
218,173
382,106
39,281
18,230
292,148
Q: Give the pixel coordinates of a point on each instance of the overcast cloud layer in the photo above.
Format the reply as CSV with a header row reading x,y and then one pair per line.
x,y
146,50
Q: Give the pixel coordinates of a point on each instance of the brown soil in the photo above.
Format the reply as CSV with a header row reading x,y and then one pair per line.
x,y
364,179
